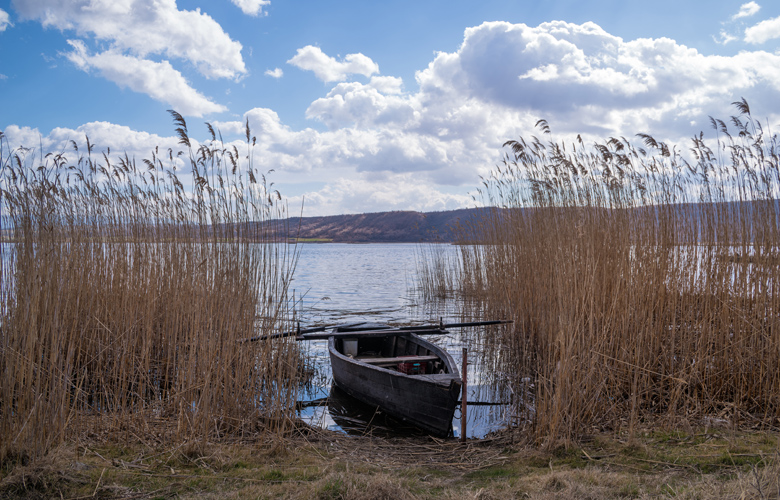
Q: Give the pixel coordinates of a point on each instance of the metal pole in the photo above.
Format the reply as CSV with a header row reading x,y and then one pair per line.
x,y
464,392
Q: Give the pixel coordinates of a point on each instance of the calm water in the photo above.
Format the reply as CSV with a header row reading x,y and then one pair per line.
x,y
341,283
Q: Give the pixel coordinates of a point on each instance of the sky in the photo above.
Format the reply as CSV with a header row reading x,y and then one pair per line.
x,y
361,106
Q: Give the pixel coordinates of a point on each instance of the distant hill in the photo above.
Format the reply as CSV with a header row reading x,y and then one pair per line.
x,y
412,227
383,227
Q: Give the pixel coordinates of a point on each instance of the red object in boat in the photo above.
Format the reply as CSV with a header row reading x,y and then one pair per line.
x,y
412,367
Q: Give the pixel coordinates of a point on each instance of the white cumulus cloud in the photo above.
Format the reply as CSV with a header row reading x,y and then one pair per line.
x,y
747,10
102,135
145,27
355,103
366,194
587,80
274,73
157,79
5,21
328,69
387,84
251,7
763,31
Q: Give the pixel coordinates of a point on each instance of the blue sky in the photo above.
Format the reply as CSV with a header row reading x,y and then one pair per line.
x,y
371,106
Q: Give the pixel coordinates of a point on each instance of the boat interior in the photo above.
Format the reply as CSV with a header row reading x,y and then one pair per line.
x,y
395,352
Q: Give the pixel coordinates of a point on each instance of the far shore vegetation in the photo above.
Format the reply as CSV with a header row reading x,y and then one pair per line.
x,y
310,240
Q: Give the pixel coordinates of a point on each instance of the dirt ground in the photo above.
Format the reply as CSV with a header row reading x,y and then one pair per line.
x,y
700,464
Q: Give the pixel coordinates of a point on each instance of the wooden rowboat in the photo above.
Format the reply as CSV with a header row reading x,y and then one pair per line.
x,y
403,374
393,368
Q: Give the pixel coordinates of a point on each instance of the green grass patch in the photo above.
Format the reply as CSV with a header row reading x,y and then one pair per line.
x,y
333,489
490,474
740,460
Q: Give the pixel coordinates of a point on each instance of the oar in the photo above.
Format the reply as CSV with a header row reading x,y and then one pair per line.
x,y
314,333
442,326
279,335
370,333
297,332
440,329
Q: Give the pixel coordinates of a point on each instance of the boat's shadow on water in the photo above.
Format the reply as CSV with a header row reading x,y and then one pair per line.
x,y
356,418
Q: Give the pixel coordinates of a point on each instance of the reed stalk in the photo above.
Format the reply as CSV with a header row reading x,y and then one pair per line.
x,y
436,271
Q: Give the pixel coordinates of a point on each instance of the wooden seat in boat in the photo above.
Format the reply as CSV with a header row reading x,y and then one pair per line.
x,y
396,360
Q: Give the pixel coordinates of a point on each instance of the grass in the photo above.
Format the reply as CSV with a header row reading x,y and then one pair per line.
x,y
125,293
320,464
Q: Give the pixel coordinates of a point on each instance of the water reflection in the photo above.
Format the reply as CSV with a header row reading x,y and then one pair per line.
x,y
343,283
339,411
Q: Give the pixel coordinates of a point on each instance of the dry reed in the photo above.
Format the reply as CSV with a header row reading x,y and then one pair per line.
x,y
643,286
124,293
436,271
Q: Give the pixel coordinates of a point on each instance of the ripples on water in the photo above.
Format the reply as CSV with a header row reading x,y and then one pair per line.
x,y
343,283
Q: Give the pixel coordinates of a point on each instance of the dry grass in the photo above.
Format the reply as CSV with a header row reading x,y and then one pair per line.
x,y
643,287
715,463
124,293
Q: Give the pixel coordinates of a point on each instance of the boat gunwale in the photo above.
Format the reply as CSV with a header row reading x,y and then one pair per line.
x,y
446,358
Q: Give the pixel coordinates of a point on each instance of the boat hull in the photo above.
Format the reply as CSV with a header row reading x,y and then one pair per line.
x,y
427,401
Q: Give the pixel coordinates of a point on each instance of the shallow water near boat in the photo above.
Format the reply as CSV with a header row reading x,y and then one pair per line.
x,y
344,283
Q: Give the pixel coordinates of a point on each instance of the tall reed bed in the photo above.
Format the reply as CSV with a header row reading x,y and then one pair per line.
x,y
643,286
125,294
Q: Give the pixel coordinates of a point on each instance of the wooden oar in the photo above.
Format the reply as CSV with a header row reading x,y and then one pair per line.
x,y
442,326
298,332
369,333
315,333
440,329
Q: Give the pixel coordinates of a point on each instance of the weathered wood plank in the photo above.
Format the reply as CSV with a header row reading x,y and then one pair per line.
x,y
399,359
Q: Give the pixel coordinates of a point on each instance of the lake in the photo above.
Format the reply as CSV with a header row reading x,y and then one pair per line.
x,y
342,283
